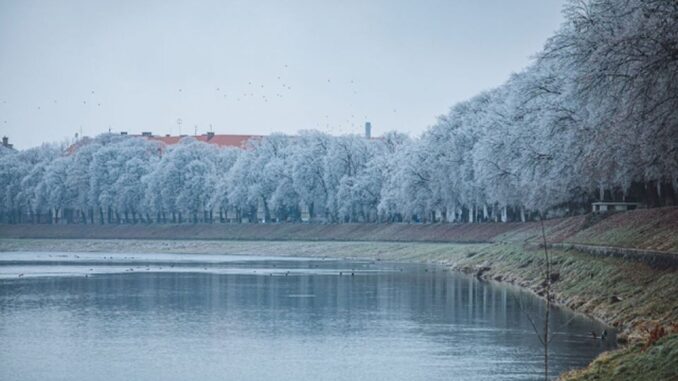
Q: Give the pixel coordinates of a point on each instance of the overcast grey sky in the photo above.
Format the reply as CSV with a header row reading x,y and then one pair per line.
x,y
254,67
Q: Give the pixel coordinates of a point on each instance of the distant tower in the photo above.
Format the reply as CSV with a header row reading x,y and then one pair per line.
x,y
5,143
179,122
368,130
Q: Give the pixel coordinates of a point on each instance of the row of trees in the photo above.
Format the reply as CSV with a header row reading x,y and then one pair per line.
x,y
594,117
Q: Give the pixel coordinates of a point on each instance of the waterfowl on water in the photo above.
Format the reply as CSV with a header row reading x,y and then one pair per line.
x,y
603,335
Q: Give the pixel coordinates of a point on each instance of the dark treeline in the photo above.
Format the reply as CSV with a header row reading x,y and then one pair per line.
x,y
595,117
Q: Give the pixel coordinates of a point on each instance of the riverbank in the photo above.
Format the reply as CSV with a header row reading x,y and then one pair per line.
x,y
635,296
643,229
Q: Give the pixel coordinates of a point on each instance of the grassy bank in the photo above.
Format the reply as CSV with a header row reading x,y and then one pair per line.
x,y
645,229
636,362
267,232
391,251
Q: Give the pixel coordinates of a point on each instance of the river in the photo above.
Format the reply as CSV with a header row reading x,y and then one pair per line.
x,y
105,316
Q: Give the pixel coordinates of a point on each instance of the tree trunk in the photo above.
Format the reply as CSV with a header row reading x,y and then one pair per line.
x,y
267,213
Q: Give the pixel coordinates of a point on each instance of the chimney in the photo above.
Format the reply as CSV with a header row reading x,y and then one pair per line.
x,y
5,141
147,133
368,130
210,135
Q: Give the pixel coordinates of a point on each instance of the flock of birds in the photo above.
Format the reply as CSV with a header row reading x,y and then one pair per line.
x,y
261,92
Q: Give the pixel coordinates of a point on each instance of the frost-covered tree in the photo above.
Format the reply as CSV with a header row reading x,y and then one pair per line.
x,y
17,197
261,173
220,201
183,181
307,158
78,179
346,158
116,180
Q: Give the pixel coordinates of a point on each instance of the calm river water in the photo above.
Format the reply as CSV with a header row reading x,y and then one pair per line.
x,y
101,316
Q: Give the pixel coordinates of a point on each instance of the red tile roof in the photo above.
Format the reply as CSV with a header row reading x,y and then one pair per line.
x,y
238,141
